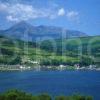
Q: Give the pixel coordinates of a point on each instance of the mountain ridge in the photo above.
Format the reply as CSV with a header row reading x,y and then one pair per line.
x,y
23,28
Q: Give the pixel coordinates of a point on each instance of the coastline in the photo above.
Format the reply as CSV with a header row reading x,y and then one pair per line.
x,y
2,69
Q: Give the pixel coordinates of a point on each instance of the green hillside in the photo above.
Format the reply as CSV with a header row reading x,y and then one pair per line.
x,y
68,51
84,50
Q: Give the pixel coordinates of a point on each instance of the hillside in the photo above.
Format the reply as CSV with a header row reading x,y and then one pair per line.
x,y
86,49
19,52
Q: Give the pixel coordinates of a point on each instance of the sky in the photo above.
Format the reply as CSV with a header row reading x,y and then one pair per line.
x,y
81,15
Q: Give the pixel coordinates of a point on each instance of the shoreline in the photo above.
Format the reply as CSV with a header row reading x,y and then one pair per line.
x,y
20,70
48,68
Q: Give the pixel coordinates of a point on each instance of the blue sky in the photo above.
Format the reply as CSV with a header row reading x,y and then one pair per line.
x,y
82,15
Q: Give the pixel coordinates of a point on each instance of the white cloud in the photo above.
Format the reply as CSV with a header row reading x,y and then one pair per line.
x,y
17,12
10,18
3,7
20,12
61,12
72,15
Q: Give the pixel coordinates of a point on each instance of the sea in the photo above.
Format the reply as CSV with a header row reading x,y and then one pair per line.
x,y
54,83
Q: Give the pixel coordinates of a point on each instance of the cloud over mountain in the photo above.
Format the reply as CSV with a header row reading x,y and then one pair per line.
x,y
19,11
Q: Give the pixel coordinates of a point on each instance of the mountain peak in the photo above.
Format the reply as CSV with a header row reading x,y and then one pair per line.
x,y
23,25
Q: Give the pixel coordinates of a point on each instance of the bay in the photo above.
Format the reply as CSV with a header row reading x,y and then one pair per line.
x,y
53,82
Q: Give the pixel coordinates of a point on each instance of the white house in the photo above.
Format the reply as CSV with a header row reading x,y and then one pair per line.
x,y
61,67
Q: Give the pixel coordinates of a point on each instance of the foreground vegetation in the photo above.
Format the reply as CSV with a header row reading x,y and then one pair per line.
x,y
18,95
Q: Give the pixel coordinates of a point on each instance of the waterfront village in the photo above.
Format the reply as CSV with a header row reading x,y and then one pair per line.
x,y
35,65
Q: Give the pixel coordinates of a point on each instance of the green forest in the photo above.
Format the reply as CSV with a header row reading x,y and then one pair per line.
x,y
83,51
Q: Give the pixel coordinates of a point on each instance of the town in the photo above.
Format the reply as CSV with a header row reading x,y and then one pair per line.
x,y
37,67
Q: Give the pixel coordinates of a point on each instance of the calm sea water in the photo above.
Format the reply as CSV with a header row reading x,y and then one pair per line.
x,y
54,83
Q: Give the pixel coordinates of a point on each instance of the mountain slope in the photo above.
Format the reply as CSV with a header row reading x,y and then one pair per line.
x,y
24,30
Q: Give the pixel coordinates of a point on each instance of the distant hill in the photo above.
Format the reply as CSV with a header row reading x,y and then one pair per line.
x,y
24,30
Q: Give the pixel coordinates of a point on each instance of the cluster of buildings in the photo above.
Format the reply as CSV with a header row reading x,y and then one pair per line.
x,y
36,66
67,67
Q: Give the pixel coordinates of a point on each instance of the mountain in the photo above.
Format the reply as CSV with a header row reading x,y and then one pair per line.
x,y
24,30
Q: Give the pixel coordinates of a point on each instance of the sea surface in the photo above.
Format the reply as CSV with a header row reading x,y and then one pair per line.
x,y
53,82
